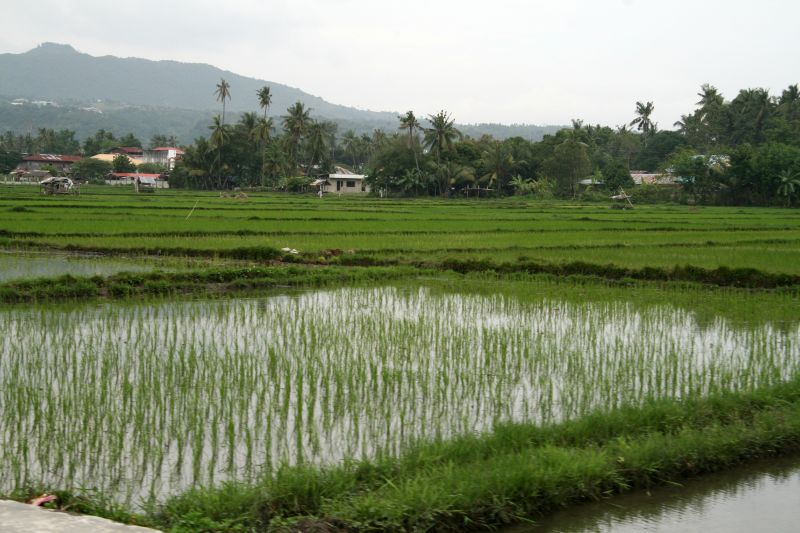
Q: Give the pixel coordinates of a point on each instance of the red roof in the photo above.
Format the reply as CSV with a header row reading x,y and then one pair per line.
x,y
53,158
127,150
134,175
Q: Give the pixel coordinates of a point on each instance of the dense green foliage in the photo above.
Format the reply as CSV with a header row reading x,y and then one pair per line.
x,y
729,154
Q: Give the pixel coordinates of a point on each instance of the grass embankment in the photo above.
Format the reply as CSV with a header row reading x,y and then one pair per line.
x,y
207,282
518,472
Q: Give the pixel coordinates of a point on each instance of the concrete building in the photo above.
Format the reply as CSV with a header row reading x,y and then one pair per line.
x,y
341,183
163,155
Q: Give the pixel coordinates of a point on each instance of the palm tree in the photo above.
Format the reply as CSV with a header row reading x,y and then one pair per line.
x,y
450,173
223,93
441,134
789,103
320,138
264,99
350,145
789,185
709,96
409,122
275,164
642,120
499,164
295,124
263,130
757,108
220,134
379,139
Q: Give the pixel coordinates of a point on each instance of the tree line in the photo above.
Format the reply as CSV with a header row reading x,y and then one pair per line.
x,y
49,141
742,151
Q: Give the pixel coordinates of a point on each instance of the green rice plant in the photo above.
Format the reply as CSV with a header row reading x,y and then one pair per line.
x,y
145,399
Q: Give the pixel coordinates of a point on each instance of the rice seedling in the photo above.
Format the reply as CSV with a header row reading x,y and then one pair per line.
x,y
142,400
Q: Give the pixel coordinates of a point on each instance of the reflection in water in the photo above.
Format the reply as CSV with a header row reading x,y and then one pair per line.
x,y
148,399
760,497
14,266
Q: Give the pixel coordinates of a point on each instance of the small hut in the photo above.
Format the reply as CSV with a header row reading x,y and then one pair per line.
x,y
144,184
57,185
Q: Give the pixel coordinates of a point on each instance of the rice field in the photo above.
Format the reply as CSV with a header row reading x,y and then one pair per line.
x,y
402,231
15,266
144,400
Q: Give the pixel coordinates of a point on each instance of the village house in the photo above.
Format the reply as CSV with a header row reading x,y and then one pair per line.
x,y
130,151
29,176
40,161
152,181
165,156
341,183
642,177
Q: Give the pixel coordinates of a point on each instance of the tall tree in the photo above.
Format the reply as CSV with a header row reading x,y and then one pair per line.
x,y
223,93
295,124
409,122
220,134
350,145
440,136
320,138
642,120
264,99
568,165
498,163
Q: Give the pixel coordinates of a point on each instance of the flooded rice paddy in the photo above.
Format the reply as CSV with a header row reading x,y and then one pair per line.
x,y
143,400
17,266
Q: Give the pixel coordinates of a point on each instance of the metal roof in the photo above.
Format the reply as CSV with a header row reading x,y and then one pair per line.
x,y
53,158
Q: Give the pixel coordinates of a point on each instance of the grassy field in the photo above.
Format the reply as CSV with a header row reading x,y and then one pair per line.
x,y
397,231
564,351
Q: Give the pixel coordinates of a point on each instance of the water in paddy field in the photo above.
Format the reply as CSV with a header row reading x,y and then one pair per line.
x,y
17,266
764,496
146,399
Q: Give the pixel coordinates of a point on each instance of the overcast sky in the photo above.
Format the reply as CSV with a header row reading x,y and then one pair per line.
x,y
509,61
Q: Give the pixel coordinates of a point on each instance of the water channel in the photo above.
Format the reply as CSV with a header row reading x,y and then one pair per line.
x,y
763,496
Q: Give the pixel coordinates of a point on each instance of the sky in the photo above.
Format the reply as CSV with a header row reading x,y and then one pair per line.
x,y
506,61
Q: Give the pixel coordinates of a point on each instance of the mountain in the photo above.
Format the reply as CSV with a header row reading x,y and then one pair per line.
x,y
81,92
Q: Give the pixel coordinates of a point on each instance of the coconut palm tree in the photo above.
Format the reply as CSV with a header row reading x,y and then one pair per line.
x,y
440,136
264,99
498,162
789,103
709,96
350,145
409,122
223,93
295,124
320,138
451,174
642,120
220,134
